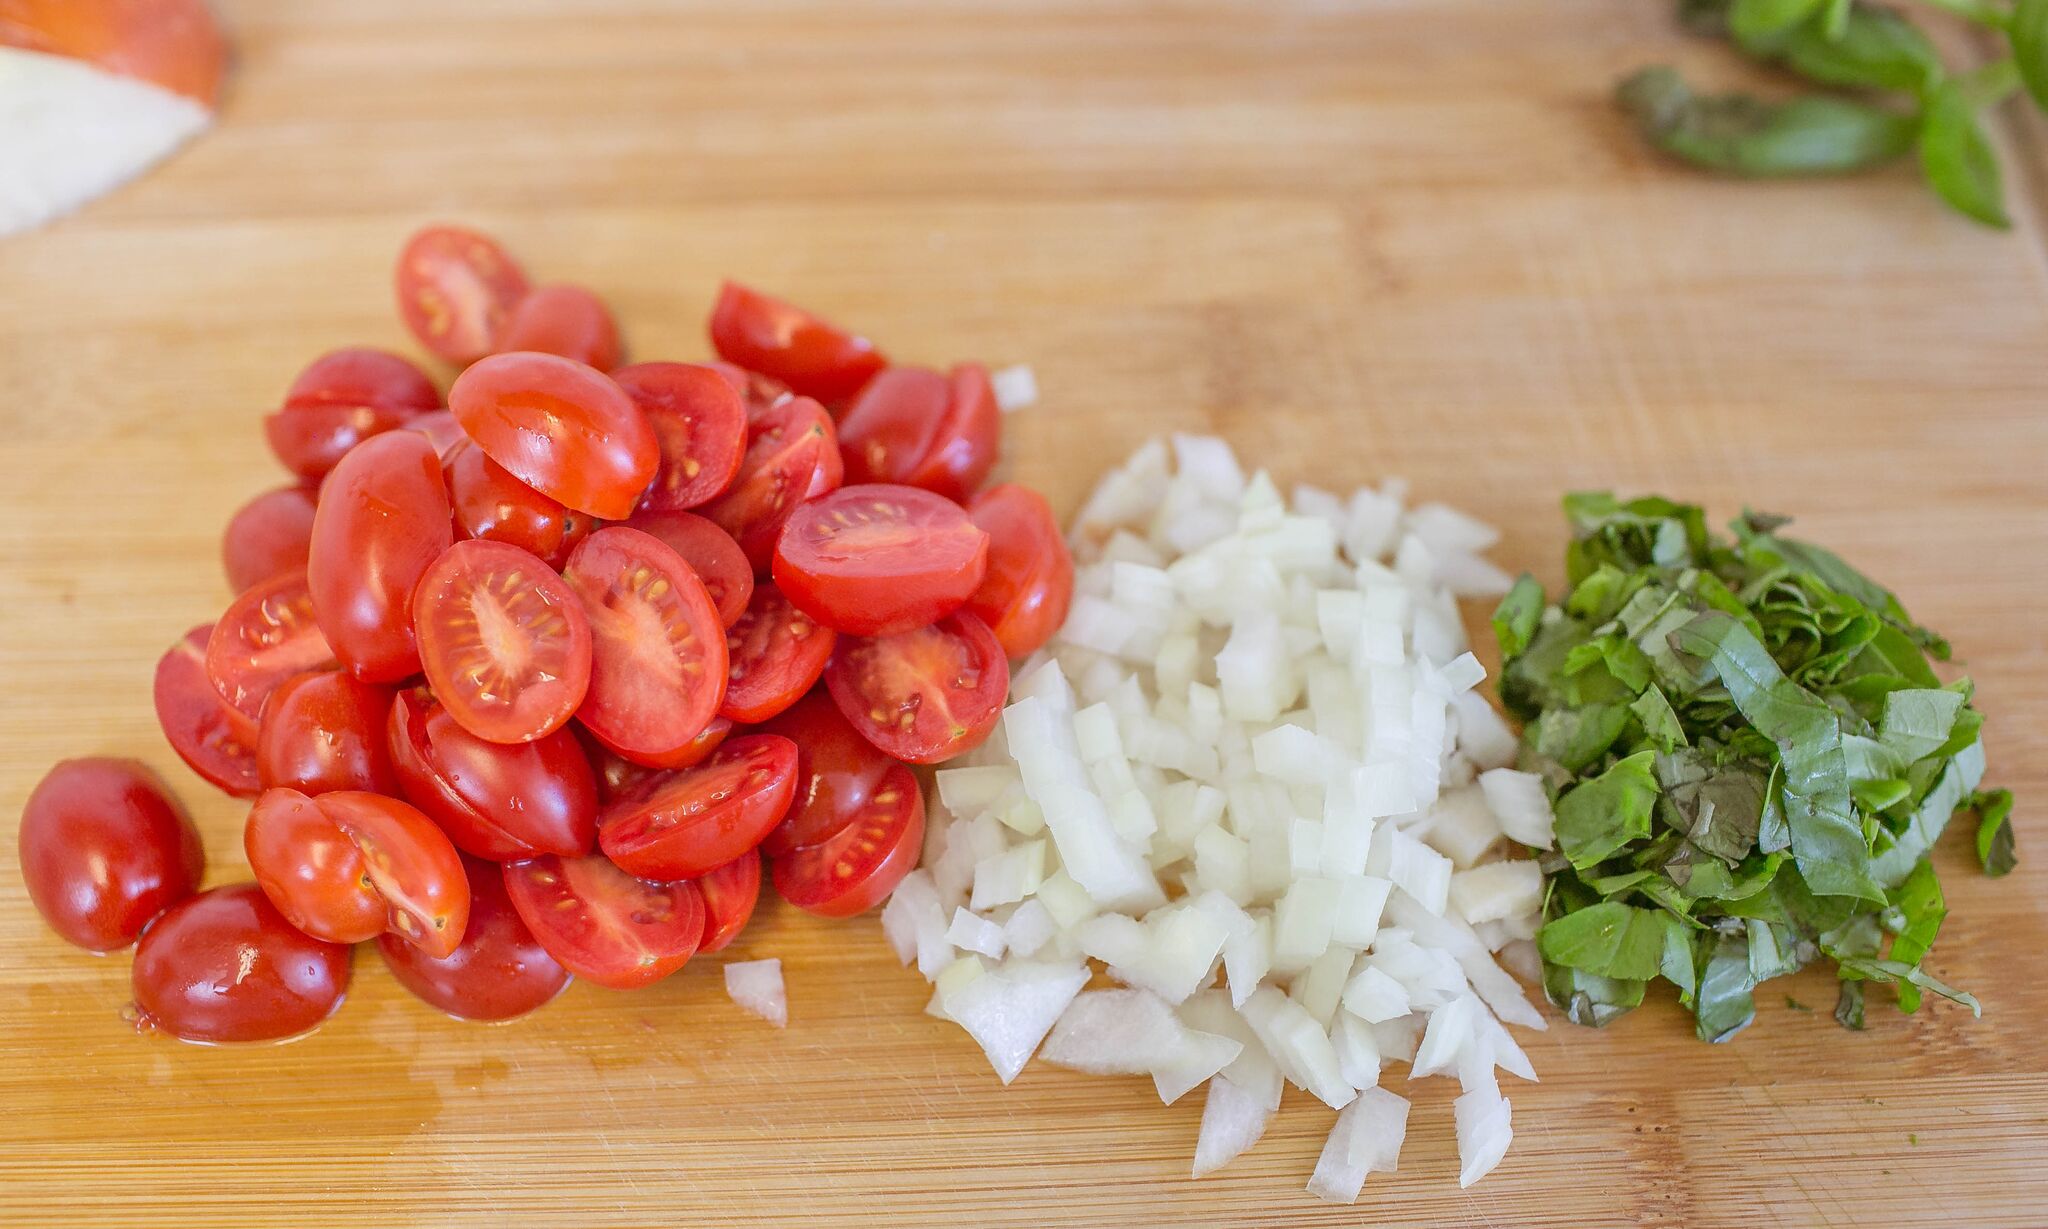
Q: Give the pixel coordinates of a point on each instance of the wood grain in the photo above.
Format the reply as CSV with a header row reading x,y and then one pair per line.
x,y
1358,237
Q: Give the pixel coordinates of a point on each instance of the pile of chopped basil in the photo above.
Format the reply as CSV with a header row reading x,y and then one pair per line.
x,y
1750,758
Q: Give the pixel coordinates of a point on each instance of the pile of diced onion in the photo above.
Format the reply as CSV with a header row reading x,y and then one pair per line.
x,y
1255,744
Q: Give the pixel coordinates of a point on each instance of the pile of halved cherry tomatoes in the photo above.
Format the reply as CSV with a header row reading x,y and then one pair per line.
x,y
544,682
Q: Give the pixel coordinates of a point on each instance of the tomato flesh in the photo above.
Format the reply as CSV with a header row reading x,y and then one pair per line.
x,y
874,559
456,291
105,848
1024,595
226,966
269,534
207,734
561,427
836,772
347,866
785,451
774,653
785,342
603,924
383,519
501,801
710,552
730,893
922,429
491,504
266,635
563,319
756,390
700,424
499,971
924,695
856,868
504,641
325,731
687,823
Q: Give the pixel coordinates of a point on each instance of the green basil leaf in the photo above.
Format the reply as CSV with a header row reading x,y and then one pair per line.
x,y
1876,49
1759,25
1893,972
1849,1006
1725,1002
1600,815
1610,939
1921,909
1957,158
2028,30
1515,619
1660,723
1741,135
1996,848
1588,998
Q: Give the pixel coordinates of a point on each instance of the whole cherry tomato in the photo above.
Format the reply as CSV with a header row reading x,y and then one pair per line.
x,y
561,427
504,641
787,343
563,319
1030,580
207,734
383,520
105,848
925,695
700,423
603,924
922,429
876,559
456,291
347,866
501,801
325,731
688,823
225,966
836,772
268,535
856,868
497,972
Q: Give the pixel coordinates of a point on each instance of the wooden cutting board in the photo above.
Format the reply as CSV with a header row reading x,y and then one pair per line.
x,y
1359,238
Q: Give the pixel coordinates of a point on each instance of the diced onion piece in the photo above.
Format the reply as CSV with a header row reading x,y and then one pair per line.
x,y
1520,805
1485,1129
975,934
1198,1057
1366,1140
1029,928
1016,388
1461,826
1009,1011
1115,1032
757,986
1497,890
1232,1121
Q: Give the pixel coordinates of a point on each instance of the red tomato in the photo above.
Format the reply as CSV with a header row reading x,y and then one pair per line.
x,y
856,869
456,290
312,440
784,453
700,424
105,848
756,390
657,662
923,429
566,320
206,733
603,924
493,505
266,635
683,824
323,732
1023,598
495,800
730,893
441,430
710,552
876,559
347,866
785,342
616,774
925,695
836,772
268,535
562,428
774,653
225,965
497,972
340,400
384,518
504,641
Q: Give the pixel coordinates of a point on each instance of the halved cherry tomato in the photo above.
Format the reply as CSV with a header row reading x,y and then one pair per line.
x,y
922,429
383,520
876,559
858,867
456,290
1030,580
497,972
268,535
756,390
657,664
500,801
603,924
816,358
775,652
226,966
685,824
710,552
206,733
504,641
493,505
311,440
836,772
563,319
784,454
700,424
104,849
347,866
343,398
730,893
616,774
924,695
325,731
441,430
562,428
263,638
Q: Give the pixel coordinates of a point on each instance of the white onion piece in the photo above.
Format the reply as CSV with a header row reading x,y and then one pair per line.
x,y
757,986
1232,1121
1520,805
1016,388
1366,1140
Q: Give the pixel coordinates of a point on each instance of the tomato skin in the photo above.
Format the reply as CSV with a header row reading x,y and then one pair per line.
x,y
710,552
341,399
616,774
875,559
441,430
498,972
785,342
492,505
836,772
266,636
311,440
856,868
774,653
225,966
325,731
688,823
104,848
658,663
700,423
603,924
563,319
730,893
500,801
561,427
922,696
268,535
923,429
200,726
383,519
756,390
785,457
456,291
1030,580
347,866
503,640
